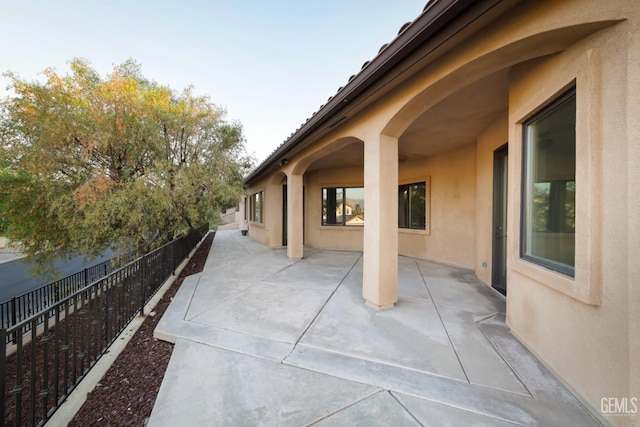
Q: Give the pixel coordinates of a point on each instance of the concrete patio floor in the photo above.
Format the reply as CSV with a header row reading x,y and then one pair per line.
x,y
262,340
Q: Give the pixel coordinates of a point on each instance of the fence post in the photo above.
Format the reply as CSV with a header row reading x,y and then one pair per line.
x,y
3,375
14,318
173,250
106,293
86,277
143,275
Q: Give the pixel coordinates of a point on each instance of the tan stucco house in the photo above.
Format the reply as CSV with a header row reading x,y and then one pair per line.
x,y
499,136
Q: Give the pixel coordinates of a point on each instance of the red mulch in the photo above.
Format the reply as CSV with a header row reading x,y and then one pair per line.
x,y
126,394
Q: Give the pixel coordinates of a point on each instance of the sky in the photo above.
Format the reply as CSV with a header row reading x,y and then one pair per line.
x,y
269,64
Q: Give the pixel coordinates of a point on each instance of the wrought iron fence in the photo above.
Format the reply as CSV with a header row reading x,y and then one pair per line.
x,y
56,347
24,306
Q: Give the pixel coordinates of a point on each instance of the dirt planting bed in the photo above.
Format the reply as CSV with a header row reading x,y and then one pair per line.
x,y
126,394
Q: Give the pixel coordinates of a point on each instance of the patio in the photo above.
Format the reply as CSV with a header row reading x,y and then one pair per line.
x,y
262,340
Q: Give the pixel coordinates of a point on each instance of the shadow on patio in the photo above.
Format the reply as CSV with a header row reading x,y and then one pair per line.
x,y
262,340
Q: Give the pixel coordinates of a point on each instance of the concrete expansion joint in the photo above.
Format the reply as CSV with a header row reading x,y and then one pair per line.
x,y
488,317
326,302
404,407
504,359
291,333
449,405
184,316
230,349
242,247
526,395
329,415
373,361
481,414
451,342
483,290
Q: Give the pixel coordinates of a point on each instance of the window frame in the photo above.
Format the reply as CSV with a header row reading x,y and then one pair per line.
x,y
409,185
245,208
344,201
537,88
259,196
545,111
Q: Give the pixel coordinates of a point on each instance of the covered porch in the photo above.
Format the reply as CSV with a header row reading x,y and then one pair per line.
x,y
263,339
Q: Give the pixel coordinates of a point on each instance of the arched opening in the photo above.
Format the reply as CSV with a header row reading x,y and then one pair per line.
x,y
449,134
334,194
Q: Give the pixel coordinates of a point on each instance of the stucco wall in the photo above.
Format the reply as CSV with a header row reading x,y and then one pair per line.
x,y
269,231
451,208
633,201
585,329
488,141
452,229
584,338
330,237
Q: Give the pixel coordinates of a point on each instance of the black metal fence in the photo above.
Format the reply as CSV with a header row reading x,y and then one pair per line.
x,y
24,306
56,347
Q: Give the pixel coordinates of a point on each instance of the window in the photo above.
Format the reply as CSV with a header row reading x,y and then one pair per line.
x,y
412,206
255,214
343,206
549,186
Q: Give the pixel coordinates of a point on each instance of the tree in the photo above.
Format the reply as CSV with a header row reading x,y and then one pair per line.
x,y
5,178
91,163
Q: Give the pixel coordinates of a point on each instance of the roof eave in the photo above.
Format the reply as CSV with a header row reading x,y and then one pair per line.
x,y
434,17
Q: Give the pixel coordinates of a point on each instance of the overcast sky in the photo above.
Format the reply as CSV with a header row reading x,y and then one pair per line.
x,y
270,64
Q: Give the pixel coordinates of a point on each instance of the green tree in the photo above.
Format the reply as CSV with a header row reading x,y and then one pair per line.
x,y
92,162
5,177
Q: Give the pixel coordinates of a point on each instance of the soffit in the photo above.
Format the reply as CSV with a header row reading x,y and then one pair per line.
x,y
387,70
458,119
350,156
452,123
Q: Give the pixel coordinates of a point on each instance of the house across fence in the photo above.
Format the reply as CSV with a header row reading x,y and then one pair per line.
x,y
56,347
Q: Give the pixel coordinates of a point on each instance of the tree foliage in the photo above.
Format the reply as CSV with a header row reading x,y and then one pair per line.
x,y
88,162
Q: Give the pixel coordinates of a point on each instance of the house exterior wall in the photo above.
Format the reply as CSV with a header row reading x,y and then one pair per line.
x,y
330,237
494,137
580,326
451,205
584,328
269,232
633,198
450,235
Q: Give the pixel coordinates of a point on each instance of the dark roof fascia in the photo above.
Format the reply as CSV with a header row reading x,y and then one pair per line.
x,y
436,16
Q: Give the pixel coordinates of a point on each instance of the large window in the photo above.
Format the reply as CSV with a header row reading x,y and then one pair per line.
x,y
549,186
412,206
255,214
343,206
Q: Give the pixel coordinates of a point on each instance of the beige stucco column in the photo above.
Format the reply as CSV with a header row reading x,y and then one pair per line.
x,y
294,216
380,252
242,214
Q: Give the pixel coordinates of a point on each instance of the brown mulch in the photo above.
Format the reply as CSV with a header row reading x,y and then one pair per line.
x,y
126,394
